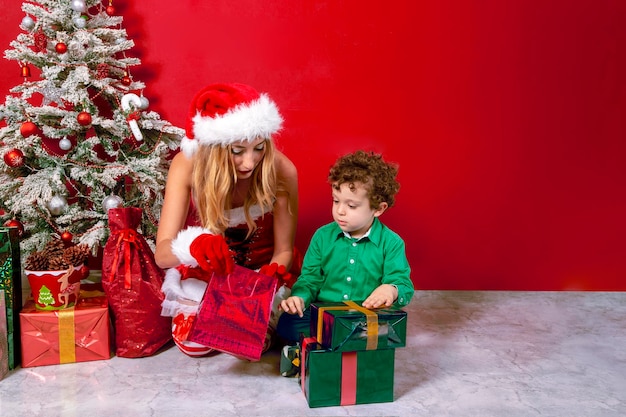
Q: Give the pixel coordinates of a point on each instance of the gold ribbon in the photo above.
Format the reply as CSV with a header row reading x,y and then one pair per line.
x,y
370,317
67,345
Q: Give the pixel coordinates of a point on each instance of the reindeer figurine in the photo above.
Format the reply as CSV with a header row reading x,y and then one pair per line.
x,y
68,289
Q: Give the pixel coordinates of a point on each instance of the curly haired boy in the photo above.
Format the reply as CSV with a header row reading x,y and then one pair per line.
x,y
356,257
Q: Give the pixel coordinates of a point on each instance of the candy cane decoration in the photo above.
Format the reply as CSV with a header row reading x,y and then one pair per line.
x,y
133,99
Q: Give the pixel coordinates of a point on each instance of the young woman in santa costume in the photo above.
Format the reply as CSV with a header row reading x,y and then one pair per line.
x,y
231,197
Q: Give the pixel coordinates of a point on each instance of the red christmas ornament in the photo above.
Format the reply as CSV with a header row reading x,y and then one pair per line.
x,y
67,237
61,48
110,10
14,158
126,80
28,128
17,224
84,118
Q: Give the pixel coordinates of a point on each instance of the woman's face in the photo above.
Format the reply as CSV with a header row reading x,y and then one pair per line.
x,y
246,156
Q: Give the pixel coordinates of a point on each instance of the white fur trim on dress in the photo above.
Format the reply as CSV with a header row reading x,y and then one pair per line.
x,y
237,215
180,245
245,122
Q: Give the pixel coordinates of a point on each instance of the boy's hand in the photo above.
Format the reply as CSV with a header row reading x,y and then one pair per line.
x,y
383,296
293,305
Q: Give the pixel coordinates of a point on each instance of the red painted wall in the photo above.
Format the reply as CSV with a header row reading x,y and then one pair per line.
x,y
506,117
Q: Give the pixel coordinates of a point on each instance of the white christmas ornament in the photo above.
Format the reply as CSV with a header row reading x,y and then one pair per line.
x,y
79,6
65,144
28,23
111,201
127,100
57,205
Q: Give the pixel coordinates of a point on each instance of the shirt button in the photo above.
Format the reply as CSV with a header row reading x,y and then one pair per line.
x,y
345,296
349,279
353,243
351,261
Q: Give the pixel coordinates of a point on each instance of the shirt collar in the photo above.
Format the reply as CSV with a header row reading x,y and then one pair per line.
x,y
373,233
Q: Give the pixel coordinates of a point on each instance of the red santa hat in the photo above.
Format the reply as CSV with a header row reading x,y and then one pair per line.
x,y
222,114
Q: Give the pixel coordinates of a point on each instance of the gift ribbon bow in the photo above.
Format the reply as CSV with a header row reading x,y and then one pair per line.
x,y
370,316
125,239
183,326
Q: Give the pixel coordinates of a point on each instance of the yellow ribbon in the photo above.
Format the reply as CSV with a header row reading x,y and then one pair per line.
x,y
67,345
370,317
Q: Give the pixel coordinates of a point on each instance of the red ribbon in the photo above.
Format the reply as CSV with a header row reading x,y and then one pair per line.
x,y
126,237
305,343
133,116
183,326
348,378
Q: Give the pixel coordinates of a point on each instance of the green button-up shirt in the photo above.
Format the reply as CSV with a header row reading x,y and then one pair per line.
x,y
339,268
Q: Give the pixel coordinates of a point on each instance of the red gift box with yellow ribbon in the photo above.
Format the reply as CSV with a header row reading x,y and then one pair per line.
x,y
75,334
331,378
347,326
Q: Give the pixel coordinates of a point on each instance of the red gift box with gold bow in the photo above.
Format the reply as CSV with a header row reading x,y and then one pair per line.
x,y
75,334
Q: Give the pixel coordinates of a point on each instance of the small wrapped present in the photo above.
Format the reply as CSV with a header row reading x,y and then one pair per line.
x,y
11,284
75,334
348,326
331,378
235,312
4,345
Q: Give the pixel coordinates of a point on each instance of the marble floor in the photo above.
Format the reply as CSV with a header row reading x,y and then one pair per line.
x,y
468,354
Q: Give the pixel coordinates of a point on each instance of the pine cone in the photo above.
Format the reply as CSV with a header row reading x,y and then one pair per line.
x,y
36,261
54,248
58,264
76,255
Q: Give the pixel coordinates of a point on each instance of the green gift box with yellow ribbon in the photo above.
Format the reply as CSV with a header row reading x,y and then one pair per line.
x,y
347,326
11,284
331,378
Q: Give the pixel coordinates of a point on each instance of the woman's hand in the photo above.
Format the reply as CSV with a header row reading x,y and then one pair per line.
x,y
212,254
279,272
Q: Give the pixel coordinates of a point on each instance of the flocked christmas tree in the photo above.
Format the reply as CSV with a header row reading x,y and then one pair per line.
x,y
77,138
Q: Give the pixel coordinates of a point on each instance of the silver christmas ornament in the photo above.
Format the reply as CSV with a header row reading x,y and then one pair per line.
x,y
28,23
57,205
144,103
79,6
79,22
65,144
112,201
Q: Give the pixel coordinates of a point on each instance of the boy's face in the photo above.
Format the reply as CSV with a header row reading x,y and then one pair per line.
x,y
351,209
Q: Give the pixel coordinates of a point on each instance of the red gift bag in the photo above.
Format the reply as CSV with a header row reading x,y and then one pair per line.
x,y
235,312
132,282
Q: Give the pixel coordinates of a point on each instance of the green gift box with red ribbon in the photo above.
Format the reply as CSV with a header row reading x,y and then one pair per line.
x,y
347,326
331,378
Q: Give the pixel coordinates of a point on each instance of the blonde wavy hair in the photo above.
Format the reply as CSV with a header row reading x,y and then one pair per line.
x,y
214,178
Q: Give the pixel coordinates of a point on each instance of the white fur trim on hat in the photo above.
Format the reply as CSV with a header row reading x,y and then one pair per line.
x,y
244,122
180,245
